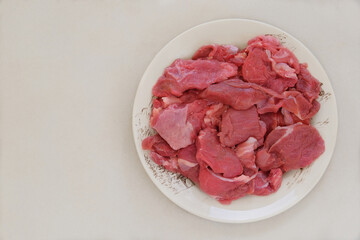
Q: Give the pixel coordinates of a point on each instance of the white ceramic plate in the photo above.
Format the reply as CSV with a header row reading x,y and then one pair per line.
x,y
295,185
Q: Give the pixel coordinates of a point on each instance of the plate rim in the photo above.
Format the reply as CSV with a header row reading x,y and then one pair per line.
x,y
288,206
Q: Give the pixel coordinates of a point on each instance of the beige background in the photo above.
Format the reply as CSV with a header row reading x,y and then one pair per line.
x,y
69,71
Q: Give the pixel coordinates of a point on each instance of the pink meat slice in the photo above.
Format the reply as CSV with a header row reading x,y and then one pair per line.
x,y
267,161
297,104
308,85
188,165
270,64
183,75
215,51
257,67
159,145
213,115
169,163
246,153
238,94
221,160
276,52
237,126
280,118
221,188
271,104
297,146
179,124
280,84
266,183
290,118
161,153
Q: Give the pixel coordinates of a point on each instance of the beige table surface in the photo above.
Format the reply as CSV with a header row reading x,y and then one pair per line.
x,y
69,71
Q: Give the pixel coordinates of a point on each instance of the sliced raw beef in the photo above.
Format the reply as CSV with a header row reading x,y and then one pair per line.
x,y
233,121
289,118
170,163
218,52
246,153
188,165
161,153
271,121
221,188
297,104
213,115
270,64
277,53
220,159
238,94
307,84
179,124
237,126
257,67
280,118
267,161
271,104
297,146
159,145
183,75
266,183
280,84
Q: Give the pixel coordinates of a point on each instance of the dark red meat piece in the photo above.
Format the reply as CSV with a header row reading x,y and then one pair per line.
x,y
183,75
237,126
222,160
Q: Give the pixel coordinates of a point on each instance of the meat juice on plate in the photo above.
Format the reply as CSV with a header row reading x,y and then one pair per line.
x,y
234,121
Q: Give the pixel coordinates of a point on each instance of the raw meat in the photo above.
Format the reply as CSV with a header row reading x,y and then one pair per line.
x,y
291,147
222,160
238,94
183,75
234,121
237,126
188,165
307,84
297,104
215,51
179,124
267,183
270,64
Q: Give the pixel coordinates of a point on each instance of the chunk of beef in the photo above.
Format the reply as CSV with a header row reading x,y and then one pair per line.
x,y
183,75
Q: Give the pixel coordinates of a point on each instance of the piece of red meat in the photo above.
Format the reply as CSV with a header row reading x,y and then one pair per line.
x,y
159,145
237,126
257,67
246,153
169,163
213,115
307,84
222,160
267,161
238,94
221,188
270,64
276,52
179,124
271,104
222,53
290,118
183,75
160,152
267,183
188,165
280,118
280,84
297,146
297,104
